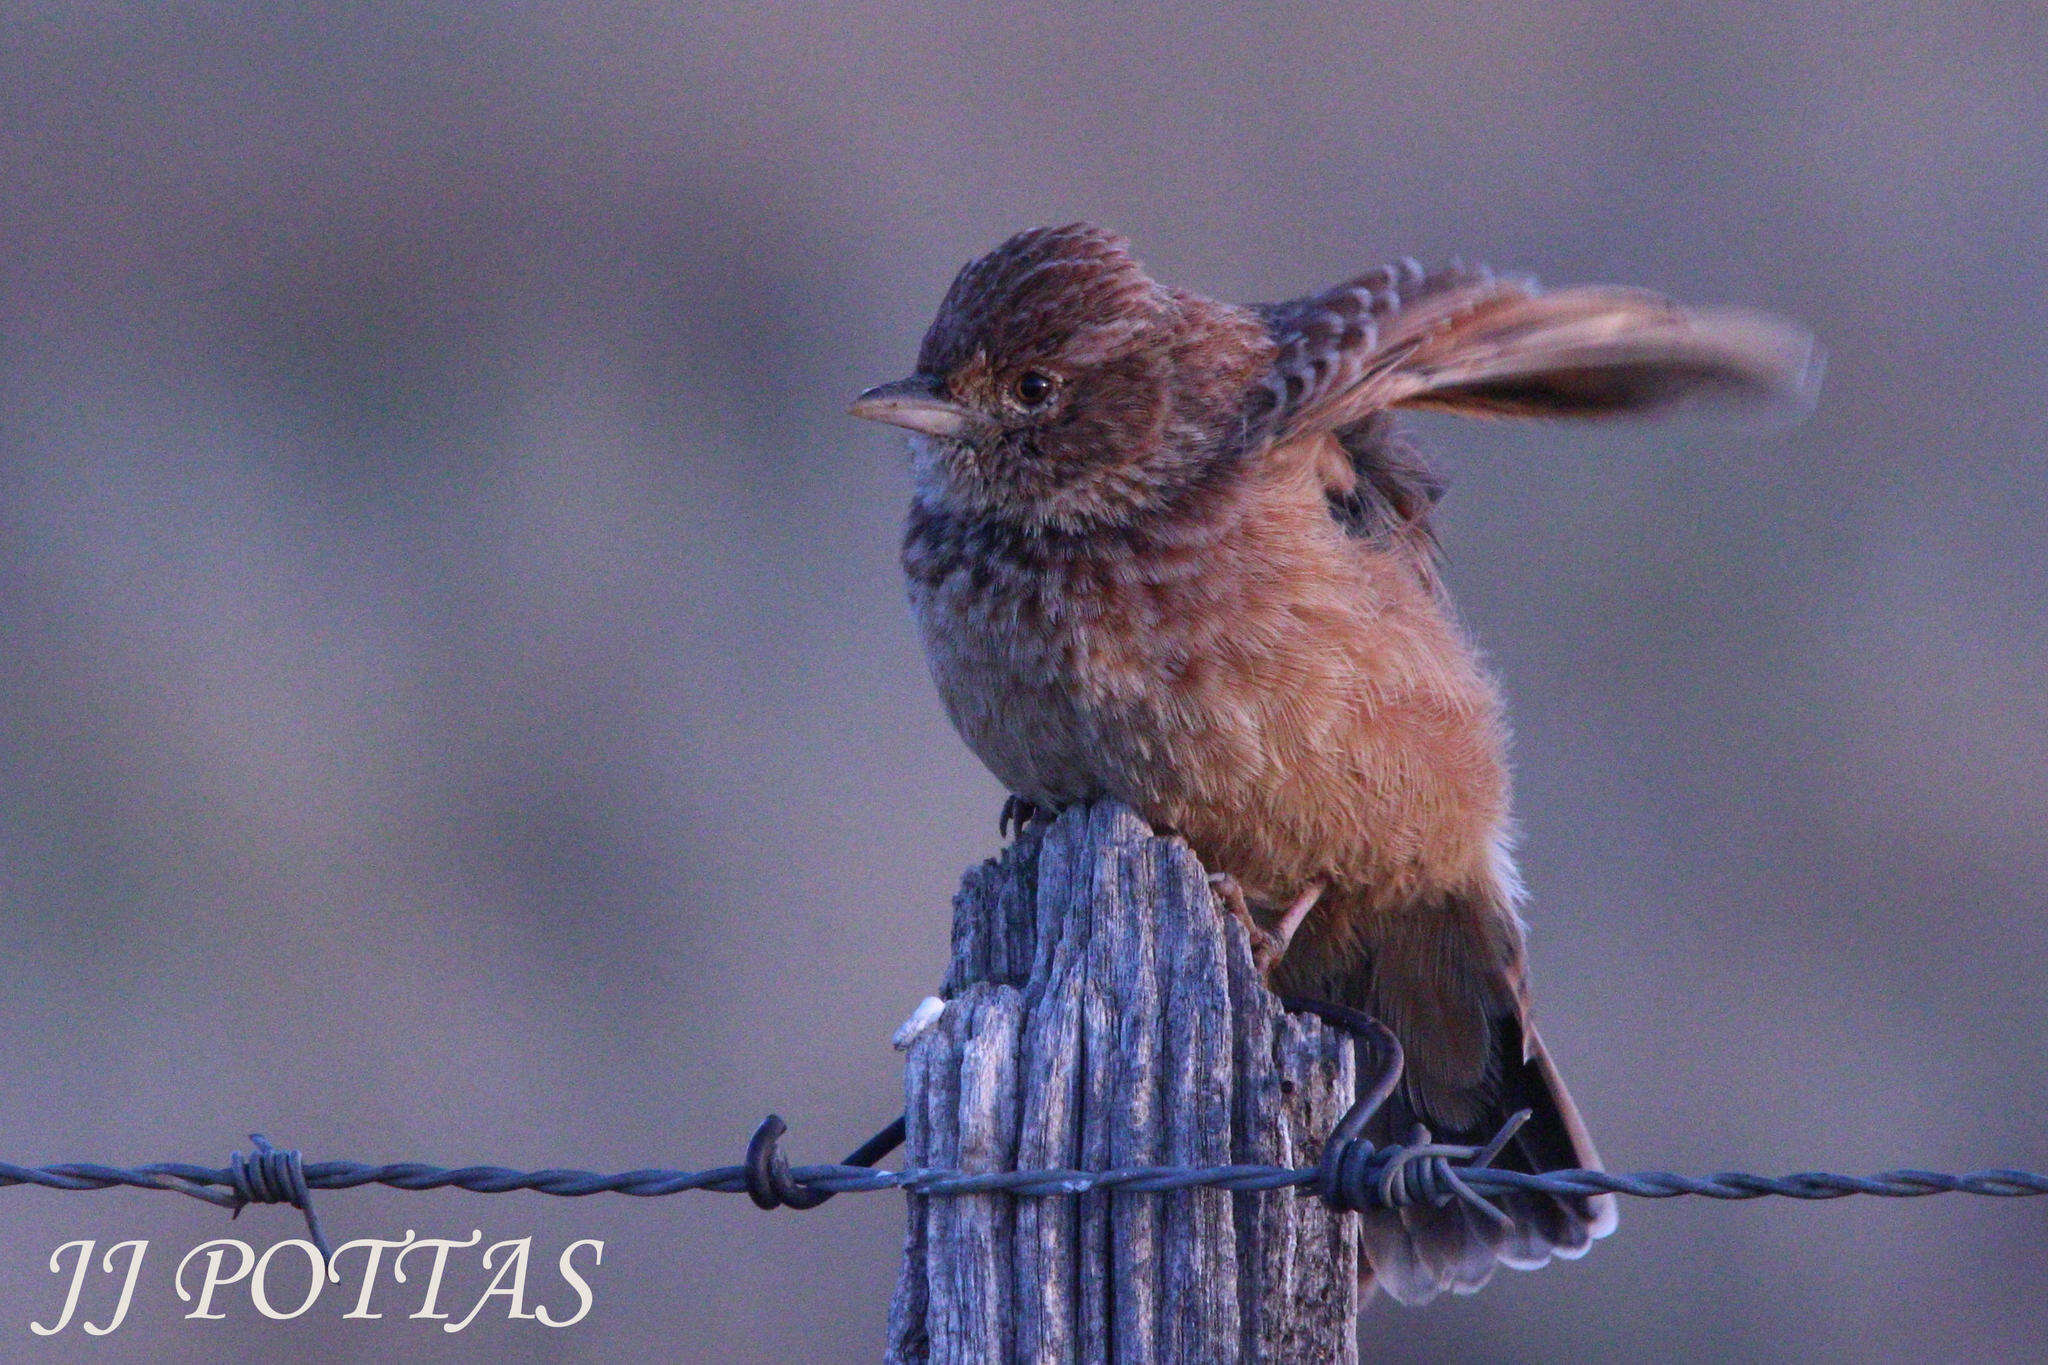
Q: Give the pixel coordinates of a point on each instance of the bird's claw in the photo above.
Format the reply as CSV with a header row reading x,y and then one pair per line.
x,y
1017,814
1267,947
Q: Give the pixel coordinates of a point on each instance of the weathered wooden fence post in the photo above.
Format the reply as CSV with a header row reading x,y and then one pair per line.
x,y
1103,1013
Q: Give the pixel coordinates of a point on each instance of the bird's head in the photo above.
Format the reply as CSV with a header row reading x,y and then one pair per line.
x,y
1060,386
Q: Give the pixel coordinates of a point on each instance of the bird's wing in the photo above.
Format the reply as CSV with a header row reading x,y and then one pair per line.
x,y
1464,339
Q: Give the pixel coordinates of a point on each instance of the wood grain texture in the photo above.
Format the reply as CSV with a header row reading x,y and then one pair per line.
x,y
1103,1013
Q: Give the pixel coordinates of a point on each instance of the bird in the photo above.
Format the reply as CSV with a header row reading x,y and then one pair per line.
x,y
1176,552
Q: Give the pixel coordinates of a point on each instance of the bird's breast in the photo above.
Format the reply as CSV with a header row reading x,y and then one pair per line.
x,y
1016,636
1252,681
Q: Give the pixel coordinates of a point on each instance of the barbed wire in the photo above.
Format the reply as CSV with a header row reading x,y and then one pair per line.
x,y
1354,1174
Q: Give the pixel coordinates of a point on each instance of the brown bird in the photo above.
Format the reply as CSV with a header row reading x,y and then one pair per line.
x,y
1173,551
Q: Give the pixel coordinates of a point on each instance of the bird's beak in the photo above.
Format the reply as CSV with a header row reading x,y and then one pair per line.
x,y
915,403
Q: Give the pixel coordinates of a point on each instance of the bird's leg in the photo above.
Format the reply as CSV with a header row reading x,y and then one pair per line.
x,y
1284,931
1017,813
1268,945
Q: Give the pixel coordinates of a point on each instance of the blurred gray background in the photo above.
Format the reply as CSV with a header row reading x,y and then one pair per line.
x,y
456,701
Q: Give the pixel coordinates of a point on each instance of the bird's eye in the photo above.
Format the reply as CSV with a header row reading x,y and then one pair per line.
x,y
1034,387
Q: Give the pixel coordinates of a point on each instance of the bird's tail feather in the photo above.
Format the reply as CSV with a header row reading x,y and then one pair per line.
x,y
1416,1253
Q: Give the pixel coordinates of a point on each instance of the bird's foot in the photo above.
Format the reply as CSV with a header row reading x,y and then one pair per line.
x,y
1267,950
1017,814
1269,946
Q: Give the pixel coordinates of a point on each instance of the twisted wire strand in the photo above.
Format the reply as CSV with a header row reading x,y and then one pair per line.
x,y
205,1182
1354,1173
